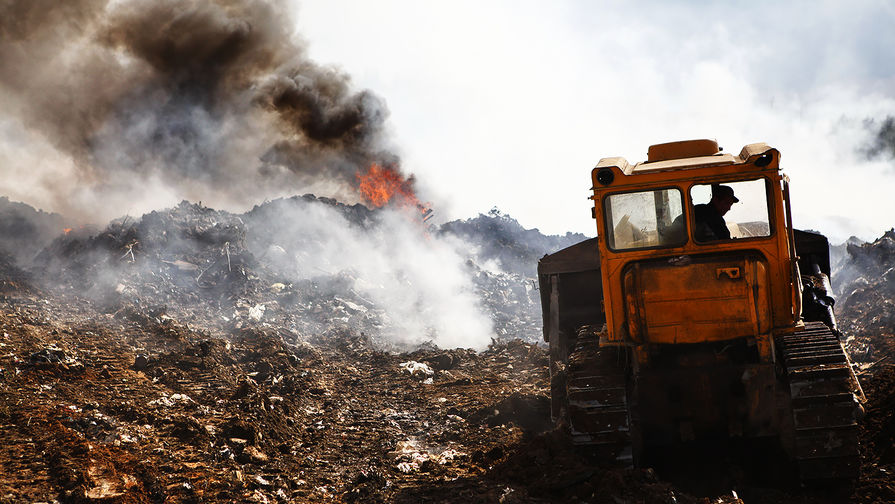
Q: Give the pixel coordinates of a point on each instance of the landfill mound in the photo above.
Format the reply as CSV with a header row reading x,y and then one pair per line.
x,y
866,285
179,358
503,263
502,239
12,278
865,282
26,230
266,264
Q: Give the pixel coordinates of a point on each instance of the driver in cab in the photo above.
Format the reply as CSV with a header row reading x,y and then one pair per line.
x,y
710,223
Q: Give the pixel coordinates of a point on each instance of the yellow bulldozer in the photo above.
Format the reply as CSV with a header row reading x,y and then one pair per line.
x,y
699,311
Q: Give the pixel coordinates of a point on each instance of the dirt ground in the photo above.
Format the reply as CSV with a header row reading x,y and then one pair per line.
x,y
135,406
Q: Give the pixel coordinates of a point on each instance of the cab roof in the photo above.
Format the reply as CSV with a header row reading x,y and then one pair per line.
x,y
685,155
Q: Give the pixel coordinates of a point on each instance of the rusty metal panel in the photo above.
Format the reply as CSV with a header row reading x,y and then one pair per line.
x,y
684,149
700,301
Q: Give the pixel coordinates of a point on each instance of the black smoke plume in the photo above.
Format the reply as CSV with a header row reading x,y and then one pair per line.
x,y
883,143
211,99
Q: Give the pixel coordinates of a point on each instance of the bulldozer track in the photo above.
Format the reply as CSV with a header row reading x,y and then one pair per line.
x,y
823,389
597,399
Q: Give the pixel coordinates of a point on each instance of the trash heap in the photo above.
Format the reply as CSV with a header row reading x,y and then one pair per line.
x,y
865,279
13,278
26,231
504,267
501,240
210,268
220,270
186,258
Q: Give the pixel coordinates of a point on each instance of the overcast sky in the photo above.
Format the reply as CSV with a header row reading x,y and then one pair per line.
x,y
510,103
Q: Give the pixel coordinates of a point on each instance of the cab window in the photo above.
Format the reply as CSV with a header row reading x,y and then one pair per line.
x,y
645,219
730,210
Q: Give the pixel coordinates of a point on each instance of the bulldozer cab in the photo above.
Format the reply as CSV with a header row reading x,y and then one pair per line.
x,y
667,278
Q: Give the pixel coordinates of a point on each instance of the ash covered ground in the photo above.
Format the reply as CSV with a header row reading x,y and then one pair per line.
x,y
196,355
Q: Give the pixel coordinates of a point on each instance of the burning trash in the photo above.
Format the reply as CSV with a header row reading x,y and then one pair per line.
x,y
381,186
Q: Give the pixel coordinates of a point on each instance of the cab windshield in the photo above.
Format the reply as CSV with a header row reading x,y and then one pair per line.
x,y
645,219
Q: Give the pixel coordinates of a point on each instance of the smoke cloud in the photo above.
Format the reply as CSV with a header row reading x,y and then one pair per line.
x,y
141,103
883,143
422,281
116,107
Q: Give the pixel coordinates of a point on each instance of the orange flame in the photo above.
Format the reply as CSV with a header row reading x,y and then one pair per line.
x,y
66,230
381,185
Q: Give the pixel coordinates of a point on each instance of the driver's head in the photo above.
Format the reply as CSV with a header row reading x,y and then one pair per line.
x,y
723,198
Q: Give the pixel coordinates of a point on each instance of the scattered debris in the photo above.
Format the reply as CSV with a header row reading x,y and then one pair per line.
x,y
51,354
413,368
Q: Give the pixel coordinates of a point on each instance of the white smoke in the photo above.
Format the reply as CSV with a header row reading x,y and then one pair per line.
x,y
420,280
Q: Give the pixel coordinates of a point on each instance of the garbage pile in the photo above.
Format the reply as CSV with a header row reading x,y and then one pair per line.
x,y
13,278
25,230
512,301
264,267
865,280
504,269
502,241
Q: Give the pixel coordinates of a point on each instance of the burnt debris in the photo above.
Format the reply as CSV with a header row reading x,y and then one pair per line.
x,y
268,266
